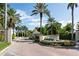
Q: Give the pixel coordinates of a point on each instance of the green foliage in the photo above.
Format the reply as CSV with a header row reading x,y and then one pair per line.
x,y
4,45
13,18
54,27
23,31
2,10
65,32
41,8
58,43
2,37
13,36
68,43
46,42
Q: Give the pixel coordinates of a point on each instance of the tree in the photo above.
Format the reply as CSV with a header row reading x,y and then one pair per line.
x,y
24,29
50,21
13,18
2,10
72,6
17,30
21,30
68,27
65,32
40,8
53,26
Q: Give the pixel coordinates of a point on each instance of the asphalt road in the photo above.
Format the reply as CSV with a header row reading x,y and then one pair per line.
x,y
22,47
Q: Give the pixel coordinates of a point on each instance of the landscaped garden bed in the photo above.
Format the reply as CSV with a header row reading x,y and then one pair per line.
x,y
58,42
4,45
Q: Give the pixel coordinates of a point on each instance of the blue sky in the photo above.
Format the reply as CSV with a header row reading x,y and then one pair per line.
x,y
58,11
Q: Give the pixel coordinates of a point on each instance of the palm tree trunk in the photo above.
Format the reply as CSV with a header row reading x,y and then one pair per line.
x,y
72,23
41,22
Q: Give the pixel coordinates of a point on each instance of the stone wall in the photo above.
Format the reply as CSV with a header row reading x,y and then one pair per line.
x,y
55,37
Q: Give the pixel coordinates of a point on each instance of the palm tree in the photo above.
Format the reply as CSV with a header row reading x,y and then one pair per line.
x,y
40,8
72,6
50,21
13,18
18,30
24,28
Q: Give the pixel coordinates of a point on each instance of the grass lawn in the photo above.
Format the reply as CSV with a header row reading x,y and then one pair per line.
x,y
4,45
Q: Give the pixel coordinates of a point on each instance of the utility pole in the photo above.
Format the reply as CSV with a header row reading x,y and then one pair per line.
x,y
5,21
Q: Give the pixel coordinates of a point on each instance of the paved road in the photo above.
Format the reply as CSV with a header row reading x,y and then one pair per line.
x,y
28,48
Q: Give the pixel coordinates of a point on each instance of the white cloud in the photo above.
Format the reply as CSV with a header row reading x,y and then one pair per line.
x,y
64,22
35,22
30,20
23,14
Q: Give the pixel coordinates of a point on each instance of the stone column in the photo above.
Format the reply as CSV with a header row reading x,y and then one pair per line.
x,y
9,35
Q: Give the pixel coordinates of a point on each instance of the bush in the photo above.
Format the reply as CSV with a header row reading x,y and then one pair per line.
x,y
2,37
13,36
58,43
65,36
69,43
46,42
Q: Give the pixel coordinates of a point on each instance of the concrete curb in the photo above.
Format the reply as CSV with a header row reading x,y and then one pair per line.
x,y
5,49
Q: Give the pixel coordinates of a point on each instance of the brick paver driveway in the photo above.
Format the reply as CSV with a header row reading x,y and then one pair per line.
x,y
22,47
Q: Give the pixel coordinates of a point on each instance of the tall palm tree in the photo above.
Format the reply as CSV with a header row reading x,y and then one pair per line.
x,y
13,18
40,8
72,6
24,28
50,21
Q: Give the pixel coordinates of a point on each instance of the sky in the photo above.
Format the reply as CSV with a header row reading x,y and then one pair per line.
x,y
58,10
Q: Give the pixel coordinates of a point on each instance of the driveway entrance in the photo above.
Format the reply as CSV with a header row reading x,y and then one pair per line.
x,y
26,47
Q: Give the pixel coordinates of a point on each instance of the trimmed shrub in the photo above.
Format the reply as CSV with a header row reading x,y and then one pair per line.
x,y
69,43
58,43
46,42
